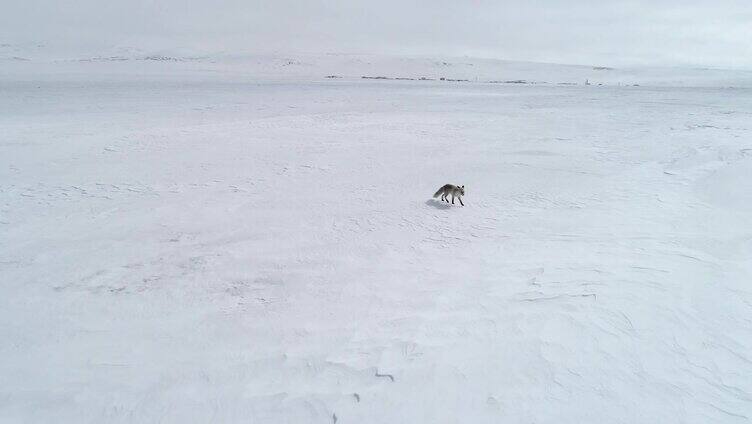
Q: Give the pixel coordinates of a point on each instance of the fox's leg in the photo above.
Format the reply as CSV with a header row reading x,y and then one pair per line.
x,y
460,199
453,199
443,197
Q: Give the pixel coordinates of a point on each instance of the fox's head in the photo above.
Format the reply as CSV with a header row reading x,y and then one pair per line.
x,y
462,189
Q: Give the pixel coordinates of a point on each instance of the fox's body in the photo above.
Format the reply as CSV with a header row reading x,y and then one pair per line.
x,y
451,190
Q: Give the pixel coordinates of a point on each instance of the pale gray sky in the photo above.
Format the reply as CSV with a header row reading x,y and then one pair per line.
x,y
659,32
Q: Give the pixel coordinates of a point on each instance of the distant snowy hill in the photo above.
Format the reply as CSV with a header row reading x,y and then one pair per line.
x,y
36,60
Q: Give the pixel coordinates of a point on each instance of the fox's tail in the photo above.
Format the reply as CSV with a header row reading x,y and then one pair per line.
x,y
441,190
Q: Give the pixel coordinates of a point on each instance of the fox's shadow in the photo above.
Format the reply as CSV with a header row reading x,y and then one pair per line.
x,y
438,204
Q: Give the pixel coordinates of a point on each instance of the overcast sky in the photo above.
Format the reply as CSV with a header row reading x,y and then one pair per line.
x,y
658,32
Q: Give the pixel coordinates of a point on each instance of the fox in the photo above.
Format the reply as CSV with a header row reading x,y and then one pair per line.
x,y
449,189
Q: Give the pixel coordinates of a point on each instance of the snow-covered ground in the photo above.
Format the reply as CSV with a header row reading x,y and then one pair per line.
x,y
247,241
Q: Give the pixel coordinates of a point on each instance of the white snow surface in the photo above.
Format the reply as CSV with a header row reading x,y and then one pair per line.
x,y
226,240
